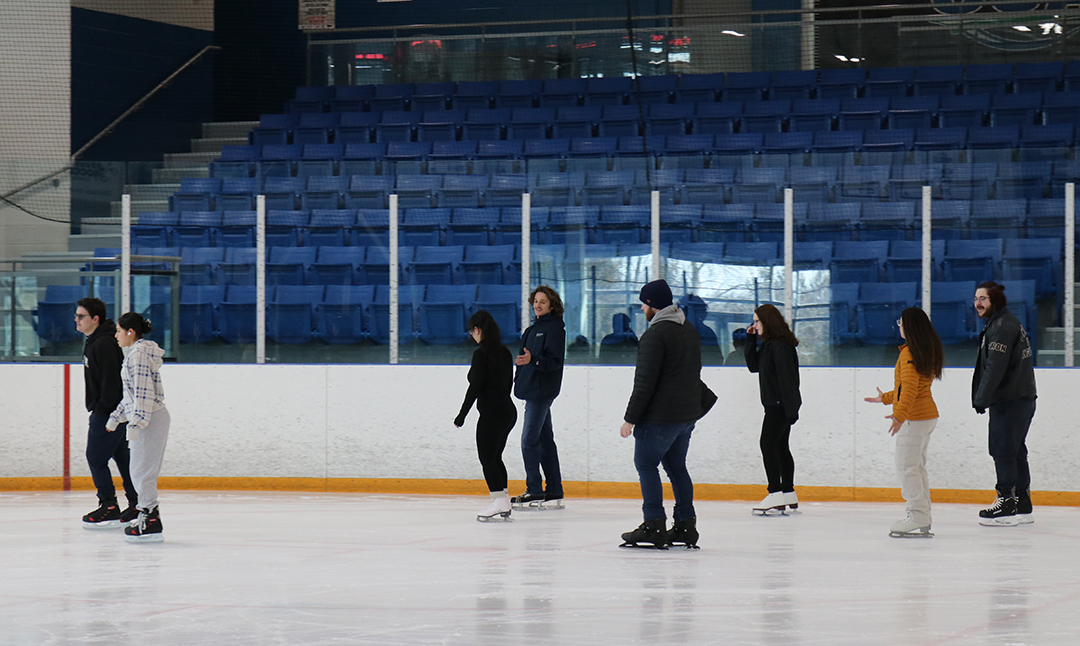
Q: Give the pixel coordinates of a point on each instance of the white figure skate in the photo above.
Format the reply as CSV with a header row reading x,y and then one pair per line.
x,y
908,528
499,509
773,505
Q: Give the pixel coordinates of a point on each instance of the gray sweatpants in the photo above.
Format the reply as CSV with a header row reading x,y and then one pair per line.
x,y
911,442
147,453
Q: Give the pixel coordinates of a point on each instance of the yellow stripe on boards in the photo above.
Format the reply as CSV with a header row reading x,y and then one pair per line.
x,y
629,490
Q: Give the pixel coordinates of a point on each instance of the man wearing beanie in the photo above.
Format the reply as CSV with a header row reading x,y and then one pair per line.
x,y
668,398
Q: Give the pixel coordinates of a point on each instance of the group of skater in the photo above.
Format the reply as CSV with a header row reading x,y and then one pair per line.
x,y
128,424
669,397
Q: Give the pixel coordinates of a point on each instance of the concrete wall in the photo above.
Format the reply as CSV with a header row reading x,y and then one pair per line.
x,y
237,421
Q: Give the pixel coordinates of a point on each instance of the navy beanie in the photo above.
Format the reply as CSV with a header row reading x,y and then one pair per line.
x,y
656,294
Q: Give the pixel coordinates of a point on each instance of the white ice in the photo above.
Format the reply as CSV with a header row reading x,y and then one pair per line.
x,y
286,568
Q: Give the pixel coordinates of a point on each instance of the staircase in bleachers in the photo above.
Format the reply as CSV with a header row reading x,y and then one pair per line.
x,y
995,143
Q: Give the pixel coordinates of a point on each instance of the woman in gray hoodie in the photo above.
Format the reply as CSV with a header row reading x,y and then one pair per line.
x,y
143,408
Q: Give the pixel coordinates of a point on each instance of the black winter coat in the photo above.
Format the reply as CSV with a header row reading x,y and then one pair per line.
x,y
1004,369
777,365
541,378
667,380
101,370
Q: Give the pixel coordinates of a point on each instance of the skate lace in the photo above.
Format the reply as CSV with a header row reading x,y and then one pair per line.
x,y
140,522
997,504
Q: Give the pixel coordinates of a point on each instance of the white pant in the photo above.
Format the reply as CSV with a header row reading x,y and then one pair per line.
x,y
147,452
911,442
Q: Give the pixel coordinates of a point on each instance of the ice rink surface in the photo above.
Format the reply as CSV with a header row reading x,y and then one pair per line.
x,y
320,569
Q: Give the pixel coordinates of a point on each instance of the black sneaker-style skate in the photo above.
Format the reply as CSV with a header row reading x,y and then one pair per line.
x,y
145,529
1000,514
649,535
1023,508
528,501
552,501
129,514
684,534
104,517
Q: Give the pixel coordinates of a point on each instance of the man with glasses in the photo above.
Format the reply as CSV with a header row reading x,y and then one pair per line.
x,y
101,374
1004,384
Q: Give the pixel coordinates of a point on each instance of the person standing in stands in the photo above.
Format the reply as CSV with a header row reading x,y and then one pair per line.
x,y
737,357
777,365
1004,384
143,409
914,416
491,377
101,376
668,399
538,382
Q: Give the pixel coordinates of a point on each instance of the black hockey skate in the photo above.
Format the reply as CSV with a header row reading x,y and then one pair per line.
x,y
1023,508
104,517
684,534
129,514
145,529
536,502
1000,514
649,535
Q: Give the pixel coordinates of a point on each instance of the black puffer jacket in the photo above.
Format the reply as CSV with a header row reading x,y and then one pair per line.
x,y
101,370
667,381
777,365
541,378
1004,369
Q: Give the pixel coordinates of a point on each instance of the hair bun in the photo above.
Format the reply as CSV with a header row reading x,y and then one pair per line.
x,y
147,326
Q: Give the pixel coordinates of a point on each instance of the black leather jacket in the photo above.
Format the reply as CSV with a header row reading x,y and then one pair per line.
x,y
1005,368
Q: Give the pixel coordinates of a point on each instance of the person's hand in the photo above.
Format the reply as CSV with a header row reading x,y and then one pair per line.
x,y
626,430
874,400
980,410
895,426
791,420
523,358
459,422
751,330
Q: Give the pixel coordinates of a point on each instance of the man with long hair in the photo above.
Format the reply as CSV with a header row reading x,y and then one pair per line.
x,y
1004,384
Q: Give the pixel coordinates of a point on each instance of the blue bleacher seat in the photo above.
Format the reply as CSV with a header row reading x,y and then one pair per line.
x,y
315,127
1016,109
488,265
432,96
768,224
409,299
290,316
654,89
472,226
704,252
977,260
1034,259
887,146
786,148
993,144
199,264
375,270
282,194
670,119
571,225
329,227
311,99
706,186
1061,108
319,159
278,161
987,79
503,302
356,128
943,144
951,311
433,265
622,121
908,180
337,265
235,161
904,263
440,125
758,185
506,190
884,82
912,112
607,188
391,97
608,91
154,229
968,181
461,191
880,305
273,129
752,253
451,157
518,94
724,222
863,114
843,323
814,115
746,86
765,116
886,220
1038,77
196,229
623,224
445,312
840,83
237,229
284,228
397,126
324,192
362,159
351,98
563,93
372,228
1051,142
862,183
814,255
695,88
835,222
573,122
198,312
941,80
679,223
858,262
1046,218
713,118
950,219
369,191
835,148
341,315
530,123
236,320
424,226
1002,218
475,95
812,183
1027,180
967,111
792,85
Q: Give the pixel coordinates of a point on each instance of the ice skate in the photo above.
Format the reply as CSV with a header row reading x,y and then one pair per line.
x,y
552,502
791,499
499,509
683,534
528,501
105,516
1023,508
908,528
773,505
129,514
145,529
1000,514
649,535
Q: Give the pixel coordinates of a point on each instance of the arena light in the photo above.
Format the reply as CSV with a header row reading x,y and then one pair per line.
x,y
842,57
1021,28
732,32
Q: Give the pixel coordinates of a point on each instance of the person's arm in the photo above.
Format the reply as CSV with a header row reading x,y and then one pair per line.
x,y
552,355
995,362
142,397
909,387
477,374
111,388
787,376
751,352
646,374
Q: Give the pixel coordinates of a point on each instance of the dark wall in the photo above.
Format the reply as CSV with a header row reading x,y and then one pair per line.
x,y
262,57
115,61
370,13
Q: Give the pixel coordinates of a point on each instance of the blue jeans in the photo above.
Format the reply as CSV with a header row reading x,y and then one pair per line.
x,y
538,449
656,444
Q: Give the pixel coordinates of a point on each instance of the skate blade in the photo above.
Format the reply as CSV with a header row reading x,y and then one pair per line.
x,y
145,538
683,546
772,511
1024,519
643,546
915,534
105,524
998,522
505,517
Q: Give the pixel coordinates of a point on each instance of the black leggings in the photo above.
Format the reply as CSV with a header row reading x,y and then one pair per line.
x,y
492,429
779,465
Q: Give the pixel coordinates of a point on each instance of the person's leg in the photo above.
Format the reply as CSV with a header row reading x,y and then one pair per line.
x,y
787,462
147,454
649,448
1003,447
536,413
1024,413
549,459
122,457
911,442
491,437
674,462
100,447
771,429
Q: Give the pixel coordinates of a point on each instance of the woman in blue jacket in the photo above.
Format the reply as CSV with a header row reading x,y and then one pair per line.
x,y
538,380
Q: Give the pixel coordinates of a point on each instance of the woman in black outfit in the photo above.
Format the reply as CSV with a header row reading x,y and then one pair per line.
x,y
491,378
777,365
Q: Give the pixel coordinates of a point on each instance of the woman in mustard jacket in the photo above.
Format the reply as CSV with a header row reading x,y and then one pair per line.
x,y
914,416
